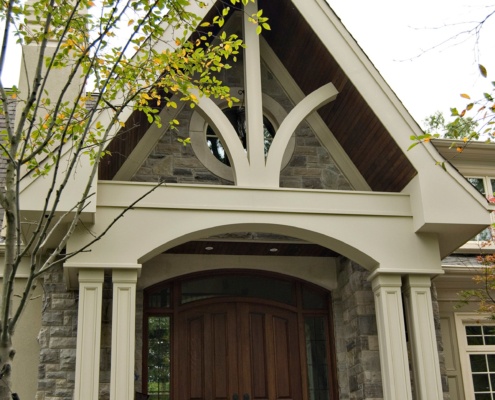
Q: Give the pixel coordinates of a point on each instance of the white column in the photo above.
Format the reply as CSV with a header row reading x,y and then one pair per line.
x,y
88,334
123,334
419,311
396,378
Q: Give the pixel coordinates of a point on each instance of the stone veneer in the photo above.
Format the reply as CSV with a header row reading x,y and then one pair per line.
x,y
310,167
57,339
356,338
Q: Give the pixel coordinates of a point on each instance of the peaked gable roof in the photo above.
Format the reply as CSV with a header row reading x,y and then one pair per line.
x,y
355,126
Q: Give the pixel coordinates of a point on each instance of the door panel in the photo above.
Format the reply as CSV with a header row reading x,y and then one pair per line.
x,y
207,361
238,348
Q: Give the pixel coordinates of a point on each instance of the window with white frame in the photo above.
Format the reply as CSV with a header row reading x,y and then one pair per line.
x,y
486,186
476,336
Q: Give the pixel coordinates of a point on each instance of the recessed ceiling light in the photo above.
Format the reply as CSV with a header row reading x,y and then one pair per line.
x,y
273,250
209,248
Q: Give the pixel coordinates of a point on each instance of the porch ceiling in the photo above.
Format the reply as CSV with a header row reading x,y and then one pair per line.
x,y
356,127
252,248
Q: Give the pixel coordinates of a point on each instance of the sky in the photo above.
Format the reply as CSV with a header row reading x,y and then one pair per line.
x,y
404,40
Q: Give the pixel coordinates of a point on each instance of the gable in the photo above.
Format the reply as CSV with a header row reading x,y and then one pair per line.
x,y
354,128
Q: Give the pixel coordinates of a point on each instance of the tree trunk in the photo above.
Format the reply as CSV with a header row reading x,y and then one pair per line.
x,y
7,353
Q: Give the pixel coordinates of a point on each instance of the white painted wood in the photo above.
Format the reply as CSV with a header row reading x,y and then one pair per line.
x,y
88,334
123,334
425,360
310,103
253,95
314,120
394,363
231,143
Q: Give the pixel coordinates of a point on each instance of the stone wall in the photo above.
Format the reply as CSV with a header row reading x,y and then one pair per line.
x,y
358,358
310,167
57,339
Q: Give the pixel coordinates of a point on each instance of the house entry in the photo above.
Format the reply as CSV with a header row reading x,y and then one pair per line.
x,y
238,337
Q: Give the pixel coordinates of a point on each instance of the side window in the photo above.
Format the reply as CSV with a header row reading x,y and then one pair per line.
x,y
486,186
476,336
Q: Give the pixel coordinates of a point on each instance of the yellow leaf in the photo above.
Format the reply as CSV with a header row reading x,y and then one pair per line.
x,y
131,21
14,95
122,124
459,149
483,70
466,96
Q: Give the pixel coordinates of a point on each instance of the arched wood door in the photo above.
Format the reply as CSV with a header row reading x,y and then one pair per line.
x,y
238,336
238,350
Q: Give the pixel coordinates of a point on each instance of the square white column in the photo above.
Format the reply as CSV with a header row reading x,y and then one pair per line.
x,y
123,334
419,311
396,379
88,334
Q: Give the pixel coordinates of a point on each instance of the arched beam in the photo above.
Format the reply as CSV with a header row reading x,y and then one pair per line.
x,y
310,103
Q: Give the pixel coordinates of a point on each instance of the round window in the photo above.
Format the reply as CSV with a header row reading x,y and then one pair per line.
x,y
237,117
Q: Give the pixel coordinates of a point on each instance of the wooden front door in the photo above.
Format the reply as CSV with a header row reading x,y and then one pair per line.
x,y
238,351
238,336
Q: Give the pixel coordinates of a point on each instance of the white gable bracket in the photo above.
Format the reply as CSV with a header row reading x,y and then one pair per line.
x,y
310,103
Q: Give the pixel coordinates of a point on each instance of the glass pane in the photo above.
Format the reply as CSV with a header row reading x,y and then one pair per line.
x,y
159,358
159,299
313,299
475,340
480,383
491,362
478,184
473,330
237,117
483,396
316,354
492,187
488,330
244,286
478,362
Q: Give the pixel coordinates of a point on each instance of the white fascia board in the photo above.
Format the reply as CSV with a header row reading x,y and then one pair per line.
x,y
203,197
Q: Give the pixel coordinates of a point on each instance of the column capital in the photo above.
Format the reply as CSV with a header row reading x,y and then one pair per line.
x,y
417,281
125,275
385,280
91,275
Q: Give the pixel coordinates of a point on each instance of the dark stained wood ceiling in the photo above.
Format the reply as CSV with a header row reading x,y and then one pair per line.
x,y
351,120
252,248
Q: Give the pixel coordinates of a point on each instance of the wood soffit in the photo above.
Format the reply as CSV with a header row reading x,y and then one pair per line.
x,y
252,248
359,131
